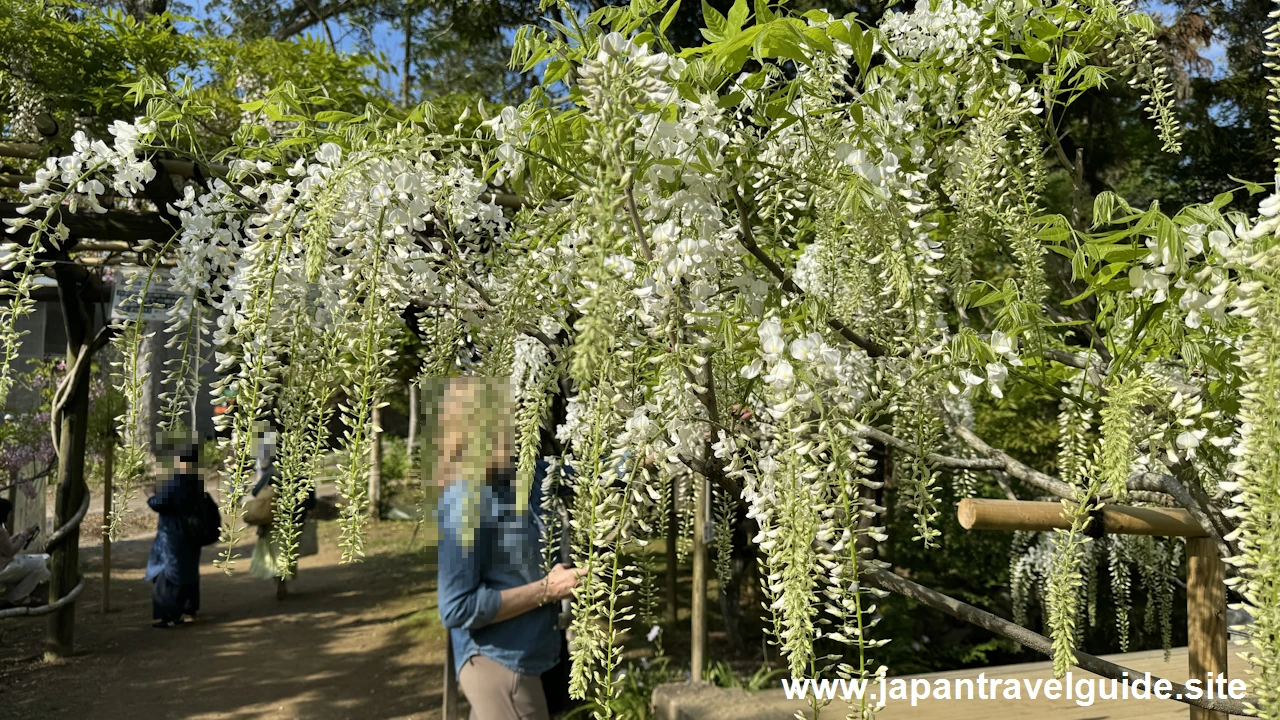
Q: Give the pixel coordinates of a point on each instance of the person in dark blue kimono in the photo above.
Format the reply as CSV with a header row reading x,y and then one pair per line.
x,y
174,565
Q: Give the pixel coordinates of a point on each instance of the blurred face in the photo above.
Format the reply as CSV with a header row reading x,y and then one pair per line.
x,y
475,427
169,465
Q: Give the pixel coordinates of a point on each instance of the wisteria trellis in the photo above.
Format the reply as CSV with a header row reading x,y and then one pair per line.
x,y
753,259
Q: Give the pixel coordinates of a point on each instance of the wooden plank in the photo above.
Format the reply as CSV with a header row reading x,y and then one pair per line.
x,y
698,621
983,514
1206,617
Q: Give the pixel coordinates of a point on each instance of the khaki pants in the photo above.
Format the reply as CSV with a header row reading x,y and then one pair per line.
x,y
496,693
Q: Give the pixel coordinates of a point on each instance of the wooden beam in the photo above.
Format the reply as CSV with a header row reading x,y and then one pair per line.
x,y
1206,618
182,168
983,514
112,225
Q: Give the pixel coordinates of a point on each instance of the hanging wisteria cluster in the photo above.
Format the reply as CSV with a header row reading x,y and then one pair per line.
x,y
750,261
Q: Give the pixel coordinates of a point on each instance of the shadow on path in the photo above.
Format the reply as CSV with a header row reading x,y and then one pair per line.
x,y
351,641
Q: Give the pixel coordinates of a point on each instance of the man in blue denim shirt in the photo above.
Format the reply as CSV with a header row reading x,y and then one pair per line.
x,y
496,601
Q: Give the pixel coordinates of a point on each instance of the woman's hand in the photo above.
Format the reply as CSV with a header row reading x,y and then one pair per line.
x,y
561,581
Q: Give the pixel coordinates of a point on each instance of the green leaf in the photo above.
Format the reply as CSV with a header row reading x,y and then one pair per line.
x,y
671,15
764,15
989,299
817,37
293,142
714,31
737,17
862,48
730,100
838,31
1110,271
732,53
1037,51
333,116
556,71
1042,29
1253,187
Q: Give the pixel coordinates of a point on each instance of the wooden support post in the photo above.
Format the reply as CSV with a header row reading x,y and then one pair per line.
x,y
375,466
698,622
108,470
673,554
72,420
449,696
1206,590
1206,617
412,442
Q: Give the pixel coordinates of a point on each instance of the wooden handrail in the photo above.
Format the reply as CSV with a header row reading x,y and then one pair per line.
x,y
983,514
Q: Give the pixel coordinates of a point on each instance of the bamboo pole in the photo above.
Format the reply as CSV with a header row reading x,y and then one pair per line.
x,y
108,470
1206,618
983,514
698,621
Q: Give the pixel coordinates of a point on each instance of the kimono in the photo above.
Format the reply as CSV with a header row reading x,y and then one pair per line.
x,y
173,567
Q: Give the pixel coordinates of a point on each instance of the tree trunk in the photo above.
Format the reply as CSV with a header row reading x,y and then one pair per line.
x,y
375,466
408,63
72,420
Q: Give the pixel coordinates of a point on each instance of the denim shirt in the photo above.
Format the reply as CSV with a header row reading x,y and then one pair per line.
x,y
506,553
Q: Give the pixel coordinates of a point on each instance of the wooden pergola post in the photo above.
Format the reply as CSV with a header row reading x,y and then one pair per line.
x,y
698,606
1206,616
108,471
375,465
1206,590
71,414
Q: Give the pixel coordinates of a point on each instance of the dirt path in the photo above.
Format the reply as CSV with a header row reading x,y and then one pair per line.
x,y
351,641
